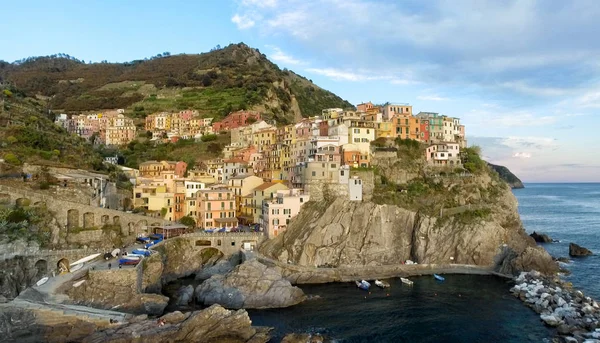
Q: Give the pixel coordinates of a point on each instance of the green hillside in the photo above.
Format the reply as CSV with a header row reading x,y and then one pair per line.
x,y
214,83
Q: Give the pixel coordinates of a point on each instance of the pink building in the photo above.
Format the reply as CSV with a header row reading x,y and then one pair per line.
x,y
235,120
279,211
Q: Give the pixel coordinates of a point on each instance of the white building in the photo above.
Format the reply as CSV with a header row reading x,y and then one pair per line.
x,y
279,211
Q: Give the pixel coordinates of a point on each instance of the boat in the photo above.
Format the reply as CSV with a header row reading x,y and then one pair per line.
x,y
76,267
115,252
78,283
144,252
406,281
438,277
136,255
142,239
86,259
382,284
42,281
125,261
363,285
131,257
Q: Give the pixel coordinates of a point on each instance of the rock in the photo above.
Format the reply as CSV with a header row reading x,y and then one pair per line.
x,y
249,285
214,324
563,329
541,237
564,260
185,295
587,309
3,299
560,302
576,250
303,338
568,339
550,320
220,268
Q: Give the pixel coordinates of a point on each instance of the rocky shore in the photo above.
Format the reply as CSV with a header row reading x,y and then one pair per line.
x,y
575,316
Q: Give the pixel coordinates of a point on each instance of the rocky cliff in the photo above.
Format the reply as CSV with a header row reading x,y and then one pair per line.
x,y
214,324
453,219
506,175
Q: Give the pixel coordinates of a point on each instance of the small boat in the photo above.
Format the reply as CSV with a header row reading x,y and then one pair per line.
x,y
42,281
382,284
136,255
86,259
143,239
438,277
362,285
129,262
144,252
76,267
131,257
78,283
406,281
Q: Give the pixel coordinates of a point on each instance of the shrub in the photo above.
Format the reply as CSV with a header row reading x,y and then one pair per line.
x,y
188,221
11,139
209,138
11,158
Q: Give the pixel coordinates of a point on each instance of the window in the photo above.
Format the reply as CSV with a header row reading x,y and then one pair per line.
x,y
342,173
208,206
333,165
233,244
314,173
230,205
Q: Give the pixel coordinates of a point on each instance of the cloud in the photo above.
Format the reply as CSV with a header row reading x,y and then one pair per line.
x,y
259,3
538,143
522,155
280,56
345,75
522,87
431,98
243,22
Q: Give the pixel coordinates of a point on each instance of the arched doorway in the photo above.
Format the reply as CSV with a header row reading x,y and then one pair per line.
x,y
72,218
42,267
88,220
62,266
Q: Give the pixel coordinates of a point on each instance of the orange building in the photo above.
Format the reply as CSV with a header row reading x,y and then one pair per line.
x,y
352,156
406,126
364,107
216,208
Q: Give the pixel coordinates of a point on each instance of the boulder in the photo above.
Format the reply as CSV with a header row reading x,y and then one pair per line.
x,y
304,338
249,285
185,295
576,250
550,319
541,237
222,267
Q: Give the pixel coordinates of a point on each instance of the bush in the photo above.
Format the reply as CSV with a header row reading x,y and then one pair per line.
x,y
44,185
188,221
11,139
11,158
209,138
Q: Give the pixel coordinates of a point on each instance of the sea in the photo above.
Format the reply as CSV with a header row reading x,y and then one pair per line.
x,y
567,212
463,308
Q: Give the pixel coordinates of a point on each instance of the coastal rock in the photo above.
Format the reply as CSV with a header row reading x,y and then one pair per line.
x,y
185,295
249,285
214,324
304,338
550,320
222,267
541,237
116,289
576,250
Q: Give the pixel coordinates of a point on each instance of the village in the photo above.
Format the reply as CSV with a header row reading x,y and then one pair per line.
x,y
263,178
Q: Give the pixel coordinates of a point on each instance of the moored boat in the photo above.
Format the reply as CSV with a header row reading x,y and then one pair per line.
x,y
131,257
78,283
438,277
406,281
76,267
362,285
85,259
381,284
42,281
144,252
125,261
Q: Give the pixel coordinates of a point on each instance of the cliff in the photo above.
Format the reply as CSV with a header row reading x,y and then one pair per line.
x,y
505,174
429,219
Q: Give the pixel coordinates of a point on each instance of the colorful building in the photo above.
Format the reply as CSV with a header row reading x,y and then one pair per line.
x,y
280,210
216,208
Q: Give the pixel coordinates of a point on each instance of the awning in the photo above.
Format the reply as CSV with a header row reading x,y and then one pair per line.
x,y
226,220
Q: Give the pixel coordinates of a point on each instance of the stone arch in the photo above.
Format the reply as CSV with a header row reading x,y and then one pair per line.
x,y
104,219
62,266
211,254
88,220
72,218
140,225
22,202
42,267
116,220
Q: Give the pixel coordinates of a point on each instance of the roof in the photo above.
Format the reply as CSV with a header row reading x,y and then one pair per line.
x,y
267,185
169,227
235,160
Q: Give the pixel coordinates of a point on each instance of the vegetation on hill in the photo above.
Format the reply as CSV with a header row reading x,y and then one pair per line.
x,y
28,134
506,175
214,83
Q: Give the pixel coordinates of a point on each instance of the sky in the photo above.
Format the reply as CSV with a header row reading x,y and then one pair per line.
x,y
523,76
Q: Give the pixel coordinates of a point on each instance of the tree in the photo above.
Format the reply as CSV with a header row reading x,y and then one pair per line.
x,y
208,138
188,221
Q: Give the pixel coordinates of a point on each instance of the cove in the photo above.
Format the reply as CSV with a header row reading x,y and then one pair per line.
x,y
464,308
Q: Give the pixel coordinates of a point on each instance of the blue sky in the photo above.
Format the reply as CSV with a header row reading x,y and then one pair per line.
x,y
523,76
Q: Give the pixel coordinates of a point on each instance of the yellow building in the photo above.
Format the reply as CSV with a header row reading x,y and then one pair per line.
x,y
242,185
384,129
361,133
263,139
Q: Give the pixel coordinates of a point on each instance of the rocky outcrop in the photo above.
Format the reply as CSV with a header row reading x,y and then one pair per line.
x,y
577,251
575,316
214,324
304,338
116,290
221,267
541,237
19,272
505,174
249,285
185,294
346,233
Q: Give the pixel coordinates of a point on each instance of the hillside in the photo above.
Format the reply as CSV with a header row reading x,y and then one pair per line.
x,y
28,134
506,175
214,83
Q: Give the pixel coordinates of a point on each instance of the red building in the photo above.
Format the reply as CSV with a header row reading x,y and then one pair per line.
x,y
324,128
424,131
235,120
